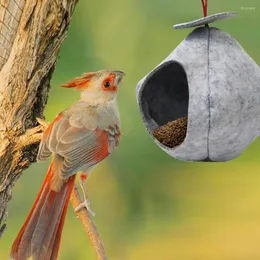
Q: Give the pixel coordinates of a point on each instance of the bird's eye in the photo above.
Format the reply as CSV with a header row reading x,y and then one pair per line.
x,y
107,84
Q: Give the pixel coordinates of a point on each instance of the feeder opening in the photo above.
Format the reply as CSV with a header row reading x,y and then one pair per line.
x,y
164,101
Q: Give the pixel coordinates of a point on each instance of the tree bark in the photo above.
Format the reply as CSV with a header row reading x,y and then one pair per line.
x,y
31,34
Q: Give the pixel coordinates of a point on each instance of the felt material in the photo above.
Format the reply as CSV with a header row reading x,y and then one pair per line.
x,y
206,20
212,80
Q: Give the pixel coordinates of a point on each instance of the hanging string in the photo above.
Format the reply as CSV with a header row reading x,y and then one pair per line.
x,y
205,7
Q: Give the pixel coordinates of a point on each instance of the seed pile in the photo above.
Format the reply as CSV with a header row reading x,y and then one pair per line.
x,y
173,133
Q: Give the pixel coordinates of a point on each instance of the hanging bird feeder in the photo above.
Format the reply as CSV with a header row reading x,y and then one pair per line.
x,y
202,103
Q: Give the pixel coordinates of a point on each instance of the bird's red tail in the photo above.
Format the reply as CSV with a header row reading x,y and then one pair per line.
x,y
40,235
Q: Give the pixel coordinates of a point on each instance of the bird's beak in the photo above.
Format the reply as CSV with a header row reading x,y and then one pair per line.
x,y
119,76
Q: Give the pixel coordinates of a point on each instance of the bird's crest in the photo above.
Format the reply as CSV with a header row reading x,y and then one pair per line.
x,y
81,82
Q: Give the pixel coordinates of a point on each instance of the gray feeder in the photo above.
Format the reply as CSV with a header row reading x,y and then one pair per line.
x,y
211,79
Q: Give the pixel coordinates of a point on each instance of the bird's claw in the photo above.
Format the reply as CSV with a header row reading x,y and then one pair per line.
x,y
86,205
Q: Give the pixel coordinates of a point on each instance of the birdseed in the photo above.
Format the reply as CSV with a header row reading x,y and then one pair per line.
x,y
173,133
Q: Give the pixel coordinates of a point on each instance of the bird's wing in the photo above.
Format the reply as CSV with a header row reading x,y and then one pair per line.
x,y
79,146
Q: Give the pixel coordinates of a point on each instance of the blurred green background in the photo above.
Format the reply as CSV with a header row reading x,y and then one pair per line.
x,y
149,205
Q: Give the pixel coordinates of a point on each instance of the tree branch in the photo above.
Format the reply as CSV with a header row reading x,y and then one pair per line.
x,y
31,34
89,226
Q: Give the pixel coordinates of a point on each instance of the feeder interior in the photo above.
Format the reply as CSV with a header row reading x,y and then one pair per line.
x,y
165,95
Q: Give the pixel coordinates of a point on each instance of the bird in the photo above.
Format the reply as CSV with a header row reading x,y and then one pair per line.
x,y
78,139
